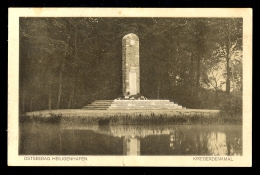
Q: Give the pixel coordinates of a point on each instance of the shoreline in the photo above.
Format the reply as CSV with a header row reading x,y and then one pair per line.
x,y
102,113
130,117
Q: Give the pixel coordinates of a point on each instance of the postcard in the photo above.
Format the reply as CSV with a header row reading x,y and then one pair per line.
x,y
166,87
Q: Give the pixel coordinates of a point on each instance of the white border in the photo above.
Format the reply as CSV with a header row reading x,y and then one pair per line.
x,y
13,89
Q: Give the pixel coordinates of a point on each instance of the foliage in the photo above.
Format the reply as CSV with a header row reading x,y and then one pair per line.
x,y
69,62
232,104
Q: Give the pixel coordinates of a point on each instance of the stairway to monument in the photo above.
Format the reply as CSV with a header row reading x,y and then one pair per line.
x,y
132,104
99,105
144,104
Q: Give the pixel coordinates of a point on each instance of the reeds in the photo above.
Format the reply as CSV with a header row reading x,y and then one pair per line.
x,y
137,119
53,118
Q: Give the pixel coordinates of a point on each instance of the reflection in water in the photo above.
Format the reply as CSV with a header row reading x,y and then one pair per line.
x,y
131,146
217,143
71,139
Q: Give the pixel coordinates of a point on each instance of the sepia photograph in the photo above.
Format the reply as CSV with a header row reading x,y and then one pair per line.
x,y
129,87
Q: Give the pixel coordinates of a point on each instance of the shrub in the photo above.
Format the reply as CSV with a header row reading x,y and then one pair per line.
x,y
232,104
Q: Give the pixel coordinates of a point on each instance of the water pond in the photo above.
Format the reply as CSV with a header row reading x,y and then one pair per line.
x,y
80,139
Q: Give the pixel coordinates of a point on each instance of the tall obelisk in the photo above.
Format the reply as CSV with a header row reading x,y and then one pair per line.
x,y
130,64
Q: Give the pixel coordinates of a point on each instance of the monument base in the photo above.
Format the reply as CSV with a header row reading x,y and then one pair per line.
x,y
132,104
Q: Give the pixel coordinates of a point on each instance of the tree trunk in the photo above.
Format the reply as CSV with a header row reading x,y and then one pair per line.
x,y
216,96
61,72
158,92
198,75
228,67
60,85
31,104
74,70
49,96
192,75
71,95
233,78
60,89
23,102
159,83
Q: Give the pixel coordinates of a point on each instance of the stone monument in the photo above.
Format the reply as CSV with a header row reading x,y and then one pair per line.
x,y
130,64
131,83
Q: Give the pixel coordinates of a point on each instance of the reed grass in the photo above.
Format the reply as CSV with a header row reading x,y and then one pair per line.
x,y
136,119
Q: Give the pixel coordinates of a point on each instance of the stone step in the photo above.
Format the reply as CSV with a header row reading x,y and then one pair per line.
x,y
94,103
148,103
103,100
95,108
159,107
99,104
169,105
140,101
132,104
143,104
145,108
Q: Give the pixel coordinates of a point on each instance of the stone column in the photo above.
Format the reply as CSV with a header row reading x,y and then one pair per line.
x,y
130,64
